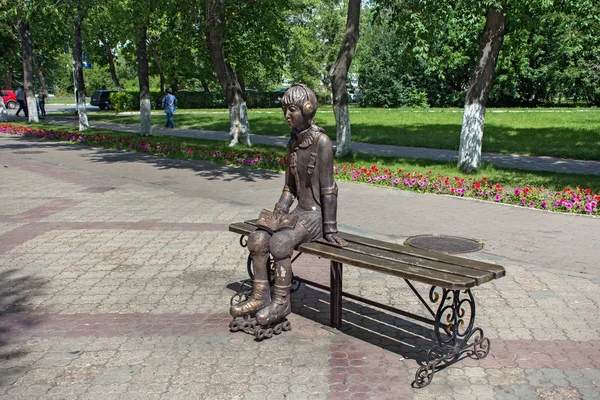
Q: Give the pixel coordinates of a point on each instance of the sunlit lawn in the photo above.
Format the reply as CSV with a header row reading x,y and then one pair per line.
x,y
568,133
508,178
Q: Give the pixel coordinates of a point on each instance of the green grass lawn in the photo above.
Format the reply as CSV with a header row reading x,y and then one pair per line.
x,y
568,133
508,178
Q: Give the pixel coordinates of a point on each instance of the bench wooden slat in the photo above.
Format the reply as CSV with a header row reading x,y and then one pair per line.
x,y
242,228
479,275
497,270
404,261
402,270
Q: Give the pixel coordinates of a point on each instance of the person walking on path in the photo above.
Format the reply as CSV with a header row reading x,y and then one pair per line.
x,y
22,104
42,102
169,103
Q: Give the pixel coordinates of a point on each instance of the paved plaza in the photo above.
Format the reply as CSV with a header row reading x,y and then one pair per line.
x,y
117,269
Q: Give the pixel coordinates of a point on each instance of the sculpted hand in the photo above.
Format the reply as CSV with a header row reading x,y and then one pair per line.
x,y
335,239
278,212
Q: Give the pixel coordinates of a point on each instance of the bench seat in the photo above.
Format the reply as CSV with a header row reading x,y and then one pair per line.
x,y
435,269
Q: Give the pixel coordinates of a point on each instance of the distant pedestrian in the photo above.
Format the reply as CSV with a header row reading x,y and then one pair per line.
x,y
42,101
22,104
169,103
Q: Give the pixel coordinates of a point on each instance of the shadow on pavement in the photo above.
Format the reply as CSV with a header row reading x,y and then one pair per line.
x,y
388,331
15,292
205,169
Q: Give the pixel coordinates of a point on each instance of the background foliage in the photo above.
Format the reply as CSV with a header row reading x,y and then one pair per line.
x,y
410,53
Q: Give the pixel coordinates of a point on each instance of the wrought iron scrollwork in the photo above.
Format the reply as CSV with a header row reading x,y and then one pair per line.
x,y
243,293
453,331
270,269
295,284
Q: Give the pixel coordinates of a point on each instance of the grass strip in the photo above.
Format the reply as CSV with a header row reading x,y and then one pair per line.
x,y
541,190
565,133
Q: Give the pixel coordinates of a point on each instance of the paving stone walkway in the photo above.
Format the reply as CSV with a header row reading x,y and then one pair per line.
x,y
116,272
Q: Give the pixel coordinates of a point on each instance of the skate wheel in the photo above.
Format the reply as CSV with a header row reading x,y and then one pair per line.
x,y
269,333
246,325
234,326
277,330
260,334
287,326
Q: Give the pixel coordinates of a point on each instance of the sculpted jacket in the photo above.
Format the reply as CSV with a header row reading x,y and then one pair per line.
x,y
309,176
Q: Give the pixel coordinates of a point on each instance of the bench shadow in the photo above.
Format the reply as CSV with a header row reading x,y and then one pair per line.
x,y
392,332
15,292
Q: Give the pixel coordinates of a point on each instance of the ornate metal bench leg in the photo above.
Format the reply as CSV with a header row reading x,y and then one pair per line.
x,y
454,331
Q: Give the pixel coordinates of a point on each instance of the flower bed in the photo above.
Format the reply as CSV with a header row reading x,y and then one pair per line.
x,y
576,200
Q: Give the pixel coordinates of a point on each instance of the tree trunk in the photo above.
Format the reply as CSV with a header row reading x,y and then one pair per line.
x,y
27,53
238,112
205,86
160,71
145,105
78,72
338,74
111,64
40,75
471,135
240,78
8,78
3,113
42,80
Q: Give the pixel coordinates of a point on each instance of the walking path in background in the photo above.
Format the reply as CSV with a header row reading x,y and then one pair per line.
x,y
531,163
117,269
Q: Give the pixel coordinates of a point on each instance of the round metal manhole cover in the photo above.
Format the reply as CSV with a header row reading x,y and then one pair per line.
x,y
29,152
444,244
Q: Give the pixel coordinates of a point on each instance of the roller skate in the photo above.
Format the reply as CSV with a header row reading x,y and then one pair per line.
x,y
271,319
246,324
260,297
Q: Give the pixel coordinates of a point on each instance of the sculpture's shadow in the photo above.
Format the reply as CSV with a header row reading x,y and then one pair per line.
x,y
389,331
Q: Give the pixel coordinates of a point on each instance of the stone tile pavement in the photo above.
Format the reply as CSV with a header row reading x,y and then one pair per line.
x,y
116,272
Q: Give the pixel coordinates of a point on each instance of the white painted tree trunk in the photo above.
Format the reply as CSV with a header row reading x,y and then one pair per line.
x,y
3,113
145,117
239,126
471,136
32,107
82,113
343,131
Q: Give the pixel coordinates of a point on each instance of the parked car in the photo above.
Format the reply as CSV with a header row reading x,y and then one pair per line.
x,y
10,98
100,98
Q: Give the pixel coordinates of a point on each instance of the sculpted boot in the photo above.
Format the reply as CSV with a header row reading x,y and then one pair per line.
x,y
258,244
261,296
280,307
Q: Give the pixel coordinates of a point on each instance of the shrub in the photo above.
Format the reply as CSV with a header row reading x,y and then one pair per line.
x,y
263,99
324,98
124,101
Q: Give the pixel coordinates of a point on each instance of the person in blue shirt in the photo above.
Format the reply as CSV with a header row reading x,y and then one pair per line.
x,y
169,103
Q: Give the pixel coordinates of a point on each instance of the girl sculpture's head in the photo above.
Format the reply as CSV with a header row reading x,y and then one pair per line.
x,y
299,97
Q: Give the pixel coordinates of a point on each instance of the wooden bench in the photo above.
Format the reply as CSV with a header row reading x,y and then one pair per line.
x,y
451,279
